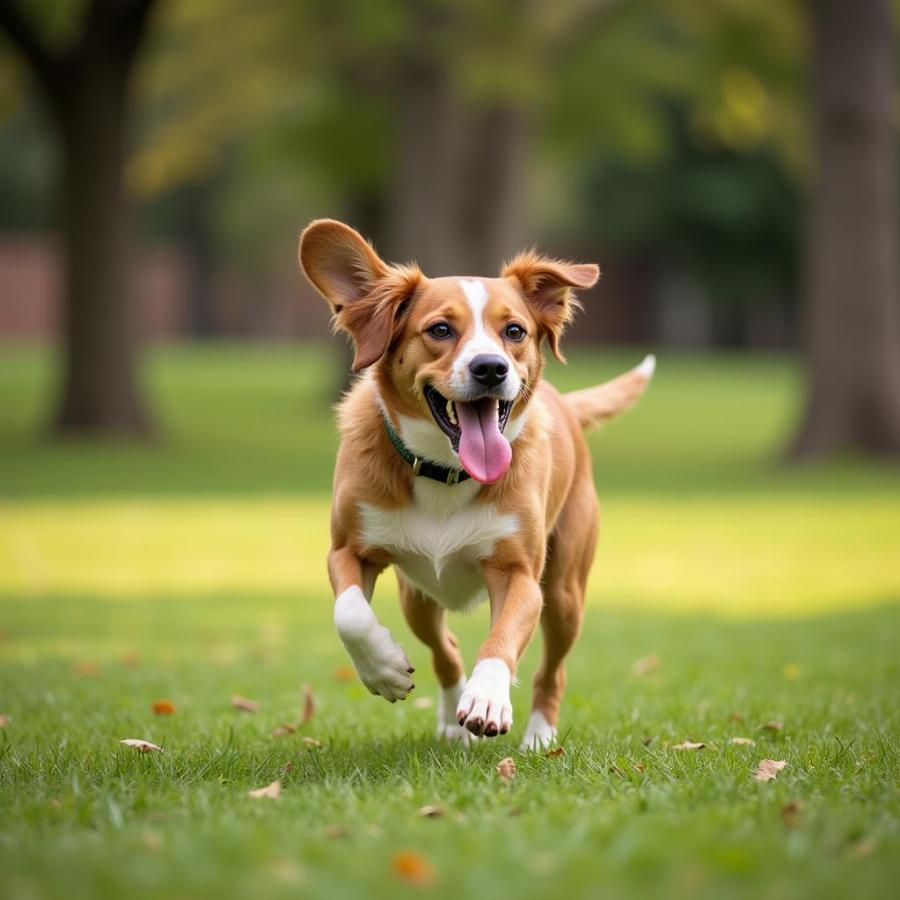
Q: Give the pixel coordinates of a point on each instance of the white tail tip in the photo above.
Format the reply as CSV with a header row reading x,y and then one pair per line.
x,y
647,367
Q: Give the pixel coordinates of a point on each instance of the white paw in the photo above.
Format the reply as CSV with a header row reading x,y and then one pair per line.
x,y
380,662
539,735
448,729
484,707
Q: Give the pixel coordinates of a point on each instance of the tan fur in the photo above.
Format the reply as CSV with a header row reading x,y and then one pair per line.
x,y
549,485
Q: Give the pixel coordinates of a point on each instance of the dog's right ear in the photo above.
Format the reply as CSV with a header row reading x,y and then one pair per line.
x,y
367,296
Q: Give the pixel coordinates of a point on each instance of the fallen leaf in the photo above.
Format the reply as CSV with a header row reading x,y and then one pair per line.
x,y
423,702
772,726
735,717
689,745
769,769
4,721
506,769
344,673
163,707
639,767
56,803
431,812
86,669
142,746
862,848
645,664
412,867
151,839
311,741
742,741
281,730
288,766
309,704
555,753
244,704
270,790
790,813
332,832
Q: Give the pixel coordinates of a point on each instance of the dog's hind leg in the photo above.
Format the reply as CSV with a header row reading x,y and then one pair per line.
x,y
428,622
570,553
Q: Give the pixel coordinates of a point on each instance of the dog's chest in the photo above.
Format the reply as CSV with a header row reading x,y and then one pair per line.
x,y
439,540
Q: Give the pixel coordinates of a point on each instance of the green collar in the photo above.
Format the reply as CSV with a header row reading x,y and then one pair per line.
x,y
422,467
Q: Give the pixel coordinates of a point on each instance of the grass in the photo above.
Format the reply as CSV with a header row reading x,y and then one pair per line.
x,y
192,569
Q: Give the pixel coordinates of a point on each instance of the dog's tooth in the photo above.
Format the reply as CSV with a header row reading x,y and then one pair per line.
x,y
451,412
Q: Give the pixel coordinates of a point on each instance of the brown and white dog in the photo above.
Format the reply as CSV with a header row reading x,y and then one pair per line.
x,y
463,469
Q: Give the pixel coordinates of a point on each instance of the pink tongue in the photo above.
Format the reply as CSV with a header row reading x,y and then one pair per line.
x,y
483,451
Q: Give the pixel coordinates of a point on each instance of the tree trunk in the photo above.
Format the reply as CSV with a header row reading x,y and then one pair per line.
x,y
853,315
99,392
494,219
86,87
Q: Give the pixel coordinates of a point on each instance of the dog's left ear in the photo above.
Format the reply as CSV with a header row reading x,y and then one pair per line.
x,y
548,287
366,295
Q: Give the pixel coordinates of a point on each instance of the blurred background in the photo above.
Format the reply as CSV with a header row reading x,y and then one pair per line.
x,y
730,165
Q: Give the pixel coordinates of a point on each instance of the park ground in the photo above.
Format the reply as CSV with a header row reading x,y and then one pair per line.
x,y
732,597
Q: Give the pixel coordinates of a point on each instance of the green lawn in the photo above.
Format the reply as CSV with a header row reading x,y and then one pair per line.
x,y
193,569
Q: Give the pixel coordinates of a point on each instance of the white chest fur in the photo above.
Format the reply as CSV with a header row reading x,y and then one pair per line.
x,y
439,540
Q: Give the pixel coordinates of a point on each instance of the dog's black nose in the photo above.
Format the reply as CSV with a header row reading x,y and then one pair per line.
x,y
488,369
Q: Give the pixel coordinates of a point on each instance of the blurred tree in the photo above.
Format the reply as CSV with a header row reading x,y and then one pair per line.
x,y
85,84
852,291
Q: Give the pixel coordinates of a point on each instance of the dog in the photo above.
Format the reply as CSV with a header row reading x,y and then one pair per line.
x,y
463,469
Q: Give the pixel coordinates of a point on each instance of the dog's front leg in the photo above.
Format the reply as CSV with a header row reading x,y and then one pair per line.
x,y
380,662
485,707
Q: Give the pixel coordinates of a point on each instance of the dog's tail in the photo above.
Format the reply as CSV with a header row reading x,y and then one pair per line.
x,y
595,405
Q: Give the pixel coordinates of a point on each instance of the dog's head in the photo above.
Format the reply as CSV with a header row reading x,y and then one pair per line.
x,y
463,354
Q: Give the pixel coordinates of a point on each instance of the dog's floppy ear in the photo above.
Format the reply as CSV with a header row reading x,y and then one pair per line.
x,y
547,285
367,296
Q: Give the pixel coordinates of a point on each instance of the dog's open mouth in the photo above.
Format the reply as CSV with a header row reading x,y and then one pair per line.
x,y
475,429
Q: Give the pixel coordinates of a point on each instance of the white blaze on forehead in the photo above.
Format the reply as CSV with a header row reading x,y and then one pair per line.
x,y
480,341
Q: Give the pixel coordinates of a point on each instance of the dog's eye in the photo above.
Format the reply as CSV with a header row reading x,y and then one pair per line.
x,y
515,332
440,331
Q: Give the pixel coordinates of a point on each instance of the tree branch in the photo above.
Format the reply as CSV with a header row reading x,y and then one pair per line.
x,y
23,37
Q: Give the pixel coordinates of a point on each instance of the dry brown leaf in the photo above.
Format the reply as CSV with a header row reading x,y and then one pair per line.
x,y
244,704
163,707
742,741
281,730
506,769
555,753
689,745
288,766
311,741
271,791
431,812
790,813
5,720
646,664
772,726
735,717
309,705
639,768
768,769
344,673
423,702
413,867
142,746
333,832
